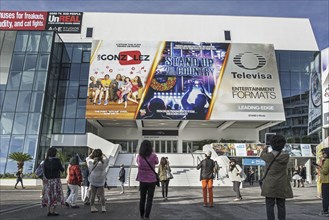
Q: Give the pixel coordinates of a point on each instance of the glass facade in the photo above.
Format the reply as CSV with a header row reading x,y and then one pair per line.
x,y
295,68
25,61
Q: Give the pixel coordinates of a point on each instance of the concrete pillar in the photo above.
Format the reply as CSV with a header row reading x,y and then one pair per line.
x,y
308,166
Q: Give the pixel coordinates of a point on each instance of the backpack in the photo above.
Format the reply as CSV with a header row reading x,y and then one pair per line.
x,y
39,171
18,174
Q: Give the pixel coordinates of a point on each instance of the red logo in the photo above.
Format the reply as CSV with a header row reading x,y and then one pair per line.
x,y
132,57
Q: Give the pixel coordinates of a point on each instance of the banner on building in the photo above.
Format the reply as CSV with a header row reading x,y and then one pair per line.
x,y
183,80
62,22
325,86
315,101
22,20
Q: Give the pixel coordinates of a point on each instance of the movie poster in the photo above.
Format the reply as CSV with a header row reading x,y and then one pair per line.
x,y
325,86
183,82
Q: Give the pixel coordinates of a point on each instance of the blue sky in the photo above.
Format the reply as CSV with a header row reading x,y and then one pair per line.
x,y
316,10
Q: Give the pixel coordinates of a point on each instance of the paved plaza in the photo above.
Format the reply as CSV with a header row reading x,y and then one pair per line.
x,y
183,203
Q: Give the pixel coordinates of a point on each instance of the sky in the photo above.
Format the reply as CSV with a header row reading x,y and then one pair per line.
x,y
317,11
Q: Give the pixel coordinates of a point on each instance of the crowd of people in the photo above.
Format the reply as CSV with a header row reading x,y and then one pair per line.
x,y
121,89
90,175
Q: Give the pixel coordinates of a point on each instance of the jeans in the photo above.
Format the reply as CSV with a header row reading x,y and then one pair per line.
x,y
207,186
19,179
122,187
99,191
280,203
325,196
72,199
146,188
84,193
236,189
165,184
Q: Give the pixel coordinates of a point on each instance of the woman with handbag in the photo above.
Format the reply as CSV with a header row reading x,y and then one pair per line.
x,y
275,184
74,182
147,177
165,176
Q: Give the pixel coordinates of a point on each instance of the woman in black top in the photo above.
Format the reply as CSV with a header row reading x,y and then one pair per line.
x,y
53,192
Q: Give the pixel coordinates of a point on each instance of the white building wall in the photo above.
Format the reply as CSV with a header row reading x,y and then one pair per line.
x,y
284,33
187,134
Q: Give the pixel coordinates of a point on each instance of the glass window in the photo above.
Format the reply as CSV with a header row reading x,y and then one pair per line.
x,y
2,96
71,106
40,81
85,56
83,92
75,71
21,40
73,92
284,60
295,81
14,80
33,124
9,104
69,126
174,147
27,80
34,41
69,50
58,126
80,126
36,102
46,41
6,123
77,54
4,143
17,142
60,110
305,80
163,146
81,108
23,102
84,72
30,61
17,62
20,123
30,144
285,79
43,62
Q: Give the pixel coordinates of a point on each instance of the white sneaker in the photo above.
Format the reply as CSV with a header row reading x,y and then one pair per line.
x,y
103,209
122,193
93,209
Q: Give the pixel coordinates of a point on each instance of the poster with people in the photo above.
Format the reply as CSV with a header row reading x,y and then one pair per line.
x,y
181,81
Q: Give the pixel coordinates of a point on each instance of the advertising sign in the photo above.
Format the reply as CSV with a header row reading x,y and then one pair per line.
x,y
253,162
178,81
315,101
22,20
325,86
306,150
64,22
249,87
240,150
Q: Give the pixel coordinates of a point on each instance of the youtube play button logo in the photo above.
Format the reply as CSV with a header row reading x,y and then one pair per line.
x,y
132,57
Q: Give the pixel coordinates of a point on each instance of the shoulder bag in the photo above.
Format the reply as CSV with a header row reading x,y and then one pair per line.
x,y
268,168
156,175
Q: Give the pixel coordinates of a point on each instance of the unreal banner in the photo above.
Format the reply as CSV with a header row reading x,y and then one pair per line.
x,y
184,80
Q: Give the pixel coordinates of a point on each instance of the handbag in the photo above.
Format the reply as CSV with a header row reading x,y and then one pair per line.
x,y
157,183
169,175
39,171
268,168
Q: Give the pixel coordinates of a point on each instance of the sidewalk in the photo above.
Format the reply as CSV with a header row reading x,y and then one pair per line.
x,y
183,203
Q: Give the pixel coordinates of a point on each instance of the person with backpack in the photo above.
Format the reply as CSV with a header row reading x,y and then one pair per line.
x,y
19,178
276,187
206,177
85,197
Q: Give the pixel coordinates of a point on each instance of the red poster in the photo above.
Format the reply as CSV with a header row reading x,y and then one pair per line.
x,y
23,20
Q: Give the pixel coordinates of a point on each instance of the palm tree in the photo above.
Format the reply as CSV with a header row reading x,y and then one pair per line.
x,y
20,158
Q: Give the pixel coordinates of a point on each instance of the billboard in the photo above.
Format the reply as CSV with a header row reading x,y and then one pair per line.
x,y
325,86
62,22
315,101
183,80
23,20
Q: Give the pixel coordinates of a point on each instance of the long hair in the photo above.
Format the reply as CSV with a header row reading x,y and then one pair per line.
x,y
97,156
163,162
232,166
146,149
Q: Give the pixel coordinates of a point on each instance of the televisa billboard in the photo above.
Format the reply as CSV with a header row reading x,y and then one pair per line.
x,y
183,80
325,86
